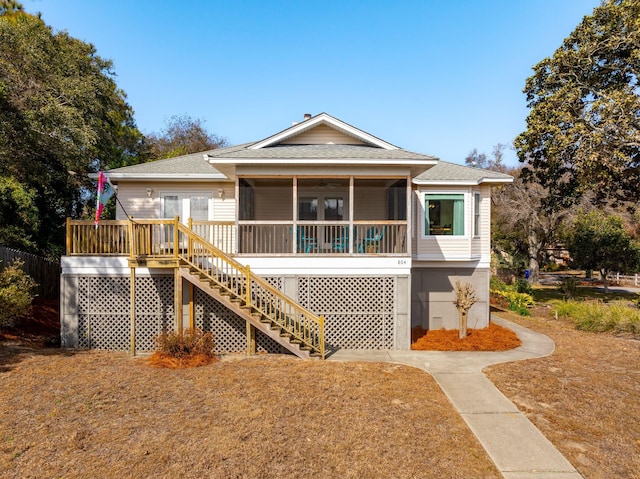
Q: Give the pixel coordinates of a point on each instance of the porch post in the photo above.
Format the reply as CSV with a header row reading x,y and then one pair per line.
x,y
294,229
251,338
132,305
352,232
177,300
409,216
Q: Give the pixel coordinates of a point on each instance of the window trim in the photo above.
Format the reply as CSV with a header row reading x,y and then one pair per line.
x,y
477,214
466,205
184,197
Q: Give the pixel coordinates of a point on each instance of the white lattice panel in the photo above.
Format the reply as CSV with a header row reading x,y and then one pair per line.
x,y
104,321
229,329
359,311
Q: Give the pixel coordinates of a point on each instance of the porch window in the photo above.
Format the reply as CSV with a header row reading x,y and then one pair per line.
x,y
444,214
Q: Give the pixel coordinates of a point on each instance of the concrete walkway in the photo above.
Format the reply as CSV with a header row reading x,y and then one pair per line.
x,y
516,446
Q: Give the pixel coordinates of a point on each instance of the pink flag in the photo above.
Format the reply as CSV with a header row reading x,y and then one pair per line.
x,y
105,191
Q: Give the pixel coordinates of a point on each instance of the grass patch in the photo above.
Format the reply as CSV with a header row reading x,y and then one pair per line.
x,y
617,317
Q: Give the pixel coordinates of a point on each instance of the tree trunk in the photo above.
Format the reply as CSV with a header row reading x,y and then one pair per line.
x,y
463,324
534,253
603,275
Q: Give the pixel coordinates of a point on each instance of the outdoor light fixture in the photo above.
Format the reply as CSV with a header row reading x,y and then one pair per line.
x,y
220,193
149,192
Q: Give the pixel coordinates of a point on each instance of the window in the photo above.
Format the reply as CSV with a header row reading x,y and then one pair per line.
x,y
308,209
476,214
444,214
333,209
186,205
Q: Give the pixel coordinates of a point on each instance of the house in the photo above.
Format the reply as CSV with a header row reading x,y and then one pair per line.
x,y
321,234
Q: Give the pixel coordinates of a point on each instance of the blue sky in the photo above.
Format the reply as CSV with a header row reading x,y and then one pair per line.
x,y
436,77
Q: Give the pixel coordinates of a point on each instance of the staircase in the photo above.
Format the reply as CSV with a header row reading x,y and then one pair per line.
x,y
248,295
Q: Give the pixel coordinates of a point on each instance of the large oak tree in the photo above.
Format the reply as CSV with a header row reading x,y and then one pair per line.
x,y
62,116
583,130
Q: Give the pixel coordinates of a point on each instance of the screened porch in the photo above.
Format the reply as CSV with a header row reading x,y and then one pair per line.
x,y
328,215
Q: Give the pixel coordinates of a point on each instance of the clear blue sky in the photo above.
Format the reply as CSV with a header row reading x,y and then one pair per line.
x,y
437,77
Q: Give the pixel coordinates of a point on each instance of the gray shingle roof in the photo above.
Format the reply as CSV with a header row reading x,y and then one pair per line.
x,y
445,171
312,152
193,164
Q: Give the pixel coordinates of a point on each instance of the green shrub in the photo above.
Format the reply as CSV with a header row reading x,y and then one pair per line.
x,y
514,301
497,284
17,290
523,286
568,287
551,267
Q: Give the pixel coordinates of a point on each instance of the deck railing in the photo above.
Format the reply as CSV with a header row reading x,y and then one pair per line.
x,y
253,291
259,238
322,237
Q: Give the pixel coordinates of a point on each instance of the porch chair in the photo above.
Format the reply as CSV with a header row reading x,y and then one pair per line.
x,y
341,243
372,239
306,243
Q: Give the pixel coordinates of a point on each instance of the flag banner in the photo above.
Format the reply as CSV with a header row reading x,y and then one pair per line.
x,y
105,191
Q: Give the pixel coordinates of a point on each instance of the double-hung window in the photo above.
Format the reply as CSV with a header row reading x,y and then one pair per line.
x,y
444,214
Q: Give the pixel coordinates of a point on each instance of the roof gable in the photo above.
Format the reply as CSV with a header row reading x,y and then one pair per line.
x,y
301,133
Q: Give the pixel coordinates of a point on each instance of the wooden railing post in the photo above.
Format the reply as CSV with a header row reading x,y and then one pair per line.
x,y
132,241
176,248
190,240
68,236
247,275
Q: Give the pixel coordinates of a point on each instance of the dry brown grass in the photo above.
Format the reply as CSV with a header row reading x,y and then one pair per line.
x,y
585,397
492,338
99,414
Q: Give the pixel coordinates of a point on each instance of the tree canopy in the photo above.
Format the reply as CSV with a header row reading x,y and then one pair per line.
x,y
182,135
583,130
599,241
62,116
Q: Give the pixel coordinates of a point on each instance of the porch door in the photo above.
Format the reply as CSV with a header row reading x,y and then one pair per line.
x,y
323,207
187,205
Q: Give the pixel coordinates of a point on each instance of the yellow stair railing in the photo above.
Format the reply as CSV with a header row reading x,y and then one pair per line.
x,y
237,280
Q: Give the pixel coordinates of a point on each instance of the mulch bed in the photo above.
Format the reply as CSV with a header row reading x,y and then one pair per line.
x,y
492,338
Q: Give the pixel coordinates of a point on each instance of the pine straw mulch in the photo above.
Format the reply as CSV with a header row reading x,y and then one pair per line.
x,y
104,414
165,360
585,397
78,414
492,338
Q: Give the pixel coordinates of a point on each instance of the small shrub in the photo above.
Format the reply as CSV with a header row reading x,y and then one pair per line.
x,y
191,348
16,293
514,301
568,287
523,286
551,267
497,284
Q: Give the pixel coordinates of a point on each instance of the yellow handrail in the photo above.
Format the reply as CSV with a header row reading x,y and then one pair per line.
x,y
242,283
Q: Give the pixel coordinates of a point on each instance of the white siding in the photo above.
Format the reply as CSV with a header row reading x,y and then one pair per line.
x,y
457,248
133,196
481,244
322,135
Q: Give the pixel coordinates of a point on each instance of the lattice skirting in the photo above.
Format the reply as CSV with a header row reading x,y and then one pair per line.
x,y
104,311
359,312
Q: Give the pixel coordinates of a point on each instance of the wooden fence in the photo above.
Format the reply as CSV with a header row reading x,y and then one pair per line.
x,y
46,273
